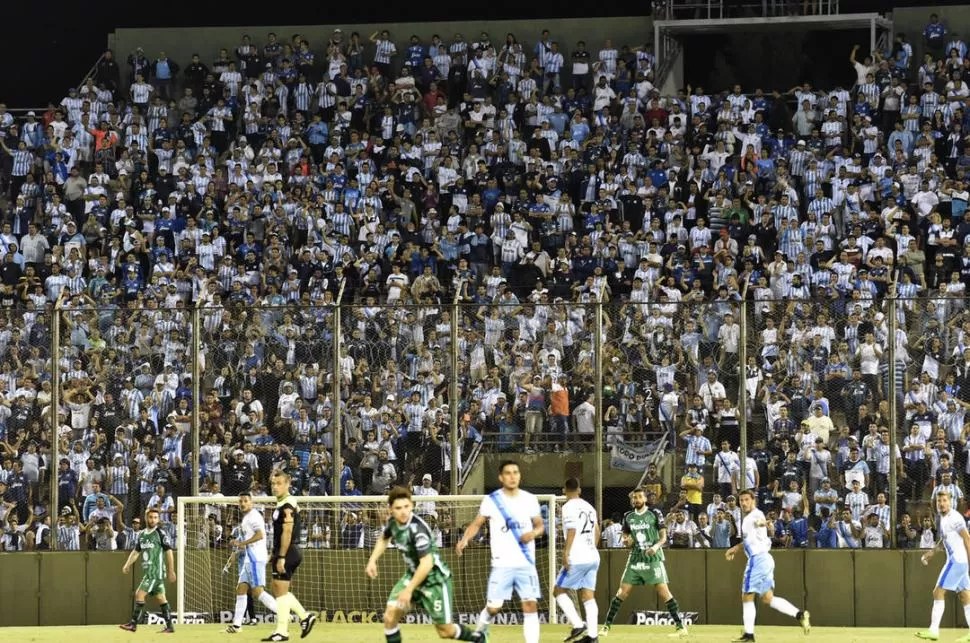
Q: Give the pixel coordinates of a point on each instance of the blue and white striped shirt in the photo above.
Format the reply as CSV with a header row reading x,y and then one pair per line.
x,y
68,538
911,124
119,486
856,503
695,446
23,161
553,63
871,92
952,488
461,50
799,159
608,58
929,103
140,137
542,51
385,49
882,511
308,387
821,206
415,417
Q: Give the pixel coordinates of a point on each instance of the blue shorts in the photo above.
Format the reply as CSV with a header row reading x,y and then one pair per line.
x,y
251,572
578,576
524,581
759,575
955,577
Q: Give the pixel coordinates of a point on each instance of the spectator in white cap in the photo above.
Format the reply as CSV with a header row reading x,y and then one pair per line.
x,y
424,508
237,475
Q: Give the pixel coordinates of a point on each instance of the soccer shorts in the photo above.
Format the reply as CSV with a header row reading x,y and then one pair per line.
x,y
290,564
955,577
152,586
252,572
759,575
524,581
578,576
654,573
433,598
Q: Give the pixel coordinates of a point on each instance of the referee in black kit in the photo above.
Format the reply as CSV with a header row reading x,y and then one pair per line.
x,y
285,560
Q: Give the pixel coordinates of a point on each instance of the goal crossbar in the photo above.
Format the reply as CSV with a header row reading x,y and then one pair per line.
x,y
183,502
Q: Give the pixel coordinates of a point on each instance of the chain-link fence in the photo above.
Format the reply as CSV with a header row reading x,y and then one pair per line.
x,y
820,419
788,397
395,380
265,393
123,383
526,371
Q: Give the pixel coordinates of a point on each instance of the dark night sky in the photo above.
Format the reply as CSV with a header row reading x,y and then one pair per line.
x,y
41,62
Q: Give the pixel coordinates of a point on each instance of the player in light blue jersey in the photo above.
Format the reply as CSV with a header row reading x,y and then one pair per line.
x,y
759,574
514,522
580,563
252,559
955,576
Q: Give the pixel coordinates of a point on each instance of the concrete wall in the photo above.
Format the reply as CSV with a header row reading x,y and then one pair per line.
x,y
180,44
475,482
842,588
70,588
548,470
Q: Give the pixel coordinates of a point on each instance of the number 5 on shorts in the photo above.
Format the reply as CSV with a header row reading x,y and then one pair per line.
x,y
438,606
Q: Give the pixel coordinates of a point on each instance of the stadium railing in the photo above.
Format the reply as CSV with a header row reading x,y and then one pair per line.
x,y
717,9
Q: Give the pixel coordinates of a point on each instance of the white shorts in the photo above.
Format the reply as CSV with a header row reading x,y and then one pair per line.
x,y
955,577
251,571
524,581
578,576
759,575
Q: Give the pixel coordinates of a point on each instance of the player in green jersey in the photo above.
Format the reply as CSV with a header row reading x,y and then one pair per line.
x,y
158,566
645,533
427,581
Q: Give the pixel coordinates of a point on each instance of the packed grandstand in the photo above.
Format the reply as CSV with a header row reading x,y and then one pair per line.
x,y
530,187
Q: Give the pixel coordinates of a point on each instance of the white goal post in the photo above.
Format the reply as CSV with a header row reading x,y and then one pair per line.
x,y
338,535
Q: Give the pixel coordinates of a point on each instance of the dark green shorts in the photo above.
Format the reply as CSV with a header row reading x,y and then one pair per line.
x,y
433,598
646,574
152,586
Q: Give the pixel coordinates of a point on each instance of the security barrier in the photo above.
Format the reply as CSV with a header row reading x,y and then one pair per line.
x,y
841,587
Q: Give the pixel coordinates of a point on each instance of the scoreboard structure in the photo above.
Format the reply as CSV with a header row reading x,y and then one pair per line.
x,y
674,19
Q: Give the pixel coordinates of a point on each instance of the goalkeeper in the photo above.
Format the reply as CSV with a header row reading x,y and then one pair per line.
x,y
427,581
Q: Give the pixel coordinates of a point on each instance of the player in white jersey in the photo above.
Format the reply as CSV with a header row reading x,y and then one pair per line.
x,y
955,539
580,562
252,558
759,574
514,523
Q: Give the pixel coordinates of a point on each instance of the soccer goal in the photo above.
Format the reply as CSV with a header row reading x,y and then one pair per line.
x,y
338,535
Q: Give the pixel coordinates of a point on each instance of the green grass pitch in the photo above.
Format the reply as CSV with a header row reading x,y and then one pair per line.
x,y
327,633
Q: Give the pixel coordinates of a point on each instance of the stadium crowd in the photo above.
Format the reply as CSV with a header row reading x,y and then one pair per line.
x,y
529,184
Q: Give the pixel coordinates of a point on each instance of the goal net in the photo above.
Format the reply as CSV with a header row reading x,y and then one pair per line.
x,y
337,538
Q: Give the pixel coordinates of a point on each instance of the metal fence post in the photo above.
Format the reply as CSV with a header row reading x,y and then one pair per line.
x,y
743,388
54,467
453,396
196,353
598,396
335,401
893,423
